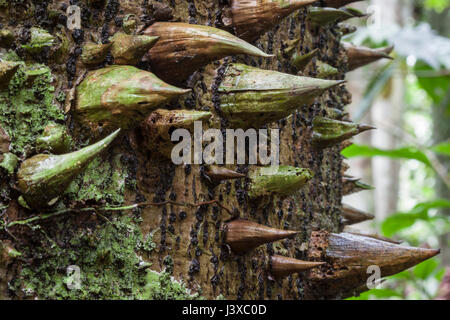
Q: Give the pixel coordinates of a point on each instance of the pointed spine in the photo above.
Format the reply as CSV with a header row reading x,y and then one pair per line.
x,y
361,56
354,216
45,177
350,256
121,96
291,47
253,18
129,49
7,70
329,132
251,97
301,61
327,16
243,236
370,235
281,180
217,174
184,48
282,267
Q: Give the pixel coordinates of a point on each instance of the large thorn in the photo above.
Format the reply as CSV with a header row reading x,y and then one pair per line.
x,y
44,177
330,132
357,232
350,256
251,97
361,56
328,16
243,235
253,18
121,96
284,266
184,48
351,215
129,49
278,180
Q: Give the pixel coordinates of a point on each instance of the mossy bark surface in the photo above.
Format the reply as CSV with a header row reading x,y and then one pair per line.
x,y
156,251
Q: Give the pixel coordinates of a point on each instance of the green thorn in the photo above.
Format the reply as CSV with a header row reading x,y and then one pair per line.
x,y
44,177
329,132
278,180
251,97
122,96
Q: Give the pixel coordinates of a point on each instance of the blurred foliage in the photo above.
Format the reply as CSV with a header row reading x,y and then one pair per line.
x,y
402,153
437,5
402,220
423,58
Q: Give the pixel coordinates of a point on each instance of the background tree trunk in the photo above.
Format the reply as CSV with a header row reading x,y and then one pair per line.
x,y
113,249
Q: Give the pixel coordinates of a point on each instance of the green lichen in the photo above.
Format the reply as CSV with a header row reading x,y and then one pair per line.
x,y
110,267
27,106
102,180
161,286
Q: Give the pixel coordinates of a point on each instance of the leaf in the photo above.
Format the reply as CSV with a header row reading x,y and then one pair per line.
x,y
436,86
425,269
402,220
377,293
442,148
437,5
374,88
402,153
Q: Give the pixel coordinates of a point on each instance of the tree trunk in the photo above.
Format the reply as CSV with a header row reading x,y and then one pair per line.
x,y
132,252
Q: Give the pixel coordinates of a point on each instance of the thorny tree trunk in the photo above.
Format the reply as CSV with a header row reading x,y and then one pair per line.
x,y
186,242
